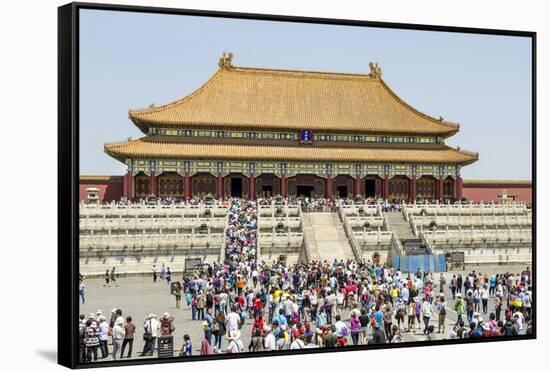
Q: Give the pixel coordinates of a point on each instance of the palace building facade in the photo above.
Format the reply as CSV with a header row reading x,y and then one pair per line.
x,y
253,132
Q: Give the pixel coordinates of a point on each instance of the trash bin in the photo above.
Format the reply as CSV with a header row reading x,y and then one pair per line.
x,y
166,346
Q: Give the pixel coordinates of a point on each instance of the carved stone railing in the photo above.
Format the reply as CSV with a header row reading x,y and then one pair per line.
x,y
357,251
397,248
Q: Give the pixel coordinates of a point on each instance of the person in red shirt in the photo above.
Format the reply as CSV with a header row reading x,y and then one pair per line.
x,y
259,324
258,305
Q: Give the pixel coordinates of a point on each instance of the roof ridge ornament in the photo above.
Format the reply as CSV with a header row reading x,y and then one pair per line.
x,y
225,60
375,70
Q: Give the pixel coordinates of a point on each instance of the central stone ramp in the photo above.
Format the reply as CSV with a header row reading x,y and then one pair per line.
x,y
326,237
399,225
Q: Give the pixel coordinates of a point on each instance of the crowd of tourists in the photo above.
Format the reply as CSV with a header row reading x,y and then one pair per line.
x,y
323,305
319,304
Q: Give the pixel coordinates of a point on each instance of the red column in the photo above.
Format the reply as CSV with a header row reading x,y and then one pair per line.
x,y
413,189
328,188
385,187
458,188
357,185
439,188
283,185
251,188
128,185
153,184
187,185
219,186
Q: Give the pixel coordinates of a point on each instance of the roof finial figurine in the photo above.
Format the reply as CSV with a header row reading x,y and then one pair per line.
x,y
152,105
441,118
375,70
225,60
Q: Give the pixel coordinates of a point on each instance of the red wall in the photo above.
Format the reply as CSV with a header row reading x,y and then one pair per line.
x,y
488,193
111,188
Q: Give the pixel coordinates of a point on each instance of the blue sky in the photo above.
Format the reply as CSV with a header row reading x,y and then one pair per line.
x,y
130,60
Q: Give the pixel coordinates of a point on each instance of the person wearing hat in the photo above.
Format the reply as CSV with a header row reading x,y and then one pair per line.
x,y
91,340
98,314
269,339
118,338
235,344
167,324
103,335
151,327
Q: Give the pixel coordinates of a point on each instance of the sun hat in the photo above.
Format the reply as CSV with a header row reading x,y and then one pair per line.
x,y
234,334
166,315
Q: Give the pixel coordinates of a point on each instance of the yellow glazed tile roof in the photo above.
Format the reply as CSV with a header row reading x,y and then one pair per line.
x,y
490,182
237,97
151,147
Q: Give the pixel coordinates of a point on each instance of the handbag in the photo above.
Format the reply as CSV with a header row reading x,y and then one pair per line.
x,y
148,335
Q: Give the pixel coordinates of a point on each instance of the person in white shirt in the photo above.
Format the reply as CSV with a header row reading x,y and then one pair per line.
x,y
81,289
269,340
298,343
519,322
151,327
233,321
287,305
427,313
103,336
235,344
118,337
339,326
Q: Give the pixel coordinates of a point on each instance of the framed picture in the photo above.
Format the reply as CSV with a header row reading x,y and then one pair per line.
x,y
241,185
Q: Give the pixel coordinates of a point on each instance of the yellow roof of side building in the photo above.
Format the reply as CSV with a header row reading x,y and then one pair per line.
x,y
256,98
151,147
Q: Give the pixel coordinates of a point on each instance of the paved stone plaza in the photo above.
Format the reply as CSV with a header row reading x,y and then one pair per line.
x,y
139,296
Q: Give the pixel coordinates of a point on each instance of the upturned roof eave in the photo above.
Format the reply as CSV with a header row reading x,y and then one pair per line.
x,y
117,153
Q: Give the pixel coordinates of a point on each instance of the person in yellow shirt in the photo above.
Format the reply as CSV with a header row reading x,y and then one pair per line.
x,y
277,295
394,293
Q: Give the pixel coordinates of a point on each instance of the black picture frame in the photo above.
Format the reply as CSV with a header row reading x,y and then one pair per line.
x,y
68,173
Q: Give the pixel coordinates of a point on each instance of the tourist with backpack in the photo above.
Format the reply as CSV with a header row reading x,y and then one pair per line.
x,y
441,307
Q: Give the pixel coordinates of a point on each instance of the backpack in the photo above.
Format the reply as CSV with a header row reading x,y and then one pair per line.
x,y
216,327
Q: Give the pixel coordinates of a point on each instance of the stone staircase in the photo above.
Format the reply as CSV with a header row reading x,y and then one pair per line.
x,y
399,225
403,231
325,237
